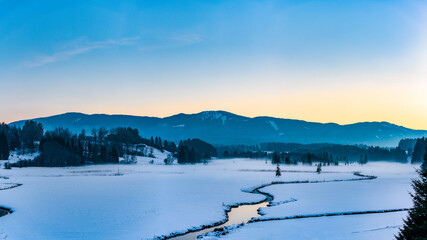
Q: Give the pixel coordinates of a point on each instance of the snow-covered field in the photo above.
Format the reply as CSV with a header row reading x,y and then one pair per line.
x,y
356,227
147,200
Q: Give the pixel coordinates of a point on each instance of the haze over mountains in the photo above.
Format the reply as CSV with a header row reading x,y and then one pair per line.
x,y
220,127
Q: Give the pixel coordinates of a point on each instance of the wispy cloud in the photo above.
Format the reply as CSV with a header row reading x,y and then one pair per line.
x,y
186,39
77,49
174,41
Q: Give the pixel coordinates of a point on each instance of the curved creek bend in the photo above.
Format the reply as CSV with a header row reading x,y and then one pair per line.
x,y
246,212
237,215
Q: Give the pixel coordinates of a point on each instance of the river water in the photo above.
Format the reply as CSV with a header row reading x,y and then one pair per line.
x,y
237,215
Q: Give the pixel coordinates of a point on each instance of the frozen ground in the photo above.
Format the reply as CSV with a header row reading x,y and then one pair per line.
x,y
148,200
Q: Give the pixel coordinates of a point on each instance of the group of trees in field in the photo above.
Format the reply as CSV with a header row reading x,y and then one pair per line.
x,y
306,158
293,153
407,144
415,147
332,153
22,138
419,150
61,147
157,142
241,151
195,151
4,146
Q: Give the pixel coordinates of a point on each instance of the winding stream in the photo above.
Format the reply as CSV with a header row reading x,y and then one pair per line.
x,y
249,212
240,214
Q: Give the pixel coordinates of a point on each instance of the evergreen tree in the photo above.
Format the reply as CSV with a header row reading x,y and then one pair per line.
x,y
419,150
156,143
415,225
275,158
4,147
309,157
226,154
287,160
103,154
114,155
319,168
82,135
192,156
278,173
182,156
31,132
160,147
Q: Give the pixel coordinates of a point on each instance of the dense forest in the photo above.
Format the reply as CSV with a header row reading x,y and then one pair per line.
x,y
63,148
292,153
194,151
324,152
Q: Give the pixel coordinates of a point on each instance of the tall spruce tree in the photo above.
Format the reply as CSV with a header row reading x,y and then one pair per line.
x,y
275,159
415,225
419,150
4,147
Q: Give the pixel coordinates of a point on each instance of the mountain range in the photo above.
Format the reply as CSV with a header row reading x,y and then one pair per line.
x,y
220,128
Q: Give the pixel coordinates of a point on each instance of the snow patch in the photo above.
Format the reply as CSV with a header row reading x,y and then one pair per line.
x,y
273,125
77,120
212,115
223,118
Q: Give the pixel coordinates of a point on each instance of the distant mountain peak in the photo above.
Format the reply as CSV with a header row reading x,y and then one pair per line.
x,y
221,127
213,115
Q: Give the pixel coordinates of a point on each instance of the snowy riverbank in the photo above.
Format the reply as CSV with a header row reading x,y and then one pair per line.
x,y
148,200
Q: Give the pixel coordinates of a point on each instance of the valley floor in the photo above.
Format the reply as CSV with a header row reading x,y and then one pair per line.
x,y
146,200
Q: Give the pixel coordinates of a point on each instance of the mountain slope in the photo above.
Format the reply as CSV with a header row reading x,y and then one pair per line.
x,y
220,127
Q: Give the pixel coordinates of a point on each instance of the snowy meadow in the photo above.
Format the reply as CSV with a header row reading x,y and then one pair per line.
x,y
151,200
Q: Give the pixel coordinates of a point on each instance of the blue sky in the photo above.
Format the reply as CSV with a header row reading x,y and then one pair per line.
x,y
327,61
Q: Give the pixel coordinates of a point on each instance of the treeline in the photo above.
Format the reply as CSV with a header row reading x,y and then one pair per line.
x,y
293,153
308,158
407,144
26,137
420,149
241,151
332,153
415,147
159,144
194,151
61,147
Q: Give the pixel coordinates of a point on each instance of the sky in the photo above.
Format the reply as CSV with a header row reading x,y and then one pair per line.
x,y
323,61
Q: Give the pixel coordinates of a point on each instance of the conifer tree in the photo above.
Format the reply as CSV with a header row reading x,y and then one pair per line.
x,y
415,225
287,160
4,147
419,150
278,173
319,168
275,158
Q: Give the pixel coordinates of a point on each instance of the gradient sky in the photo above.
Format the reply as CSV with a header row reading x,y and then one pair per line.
x,y
324,61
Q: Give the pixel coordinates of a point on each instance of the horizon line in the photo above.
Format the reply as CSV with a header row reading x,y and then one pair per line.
x,y
195,113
